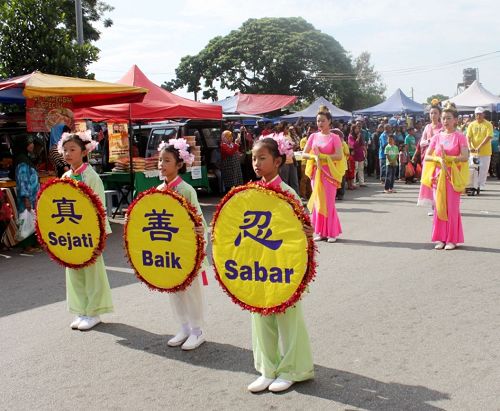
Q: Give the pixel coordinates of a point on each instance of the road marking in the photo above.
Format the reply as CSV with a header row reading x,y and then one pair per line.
x,y
27,255
5,256
121,270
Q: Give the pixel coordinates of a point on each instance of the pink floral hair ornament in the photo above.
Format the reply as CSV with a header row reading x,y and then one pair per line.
x,y
85,136
285,146
181,145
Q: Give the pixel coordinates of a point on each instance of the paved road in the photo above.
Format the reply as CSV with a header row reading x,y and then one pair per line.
x,y
394,325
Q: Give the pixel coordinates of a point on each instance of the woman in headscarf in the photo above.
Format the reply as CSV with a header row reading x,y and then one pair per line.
x,y
27,183
230,164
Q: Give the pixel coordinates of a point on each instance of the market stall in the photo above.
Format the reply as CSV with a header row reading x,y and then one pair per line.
x,y
158,105
49,98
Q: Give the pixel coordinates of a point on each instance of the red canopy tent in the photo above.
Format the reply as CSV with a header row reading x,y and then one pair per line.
x,y
255,103
158,104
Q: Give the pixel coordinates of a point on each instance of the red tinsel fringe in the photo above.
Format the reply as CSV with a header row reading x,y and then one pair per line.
x,y
101,214
200,241
311,247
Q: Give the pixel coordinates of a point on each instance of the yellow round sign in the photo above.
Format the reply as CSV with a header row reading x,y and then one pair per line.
x,y
160,240
70,222
261,254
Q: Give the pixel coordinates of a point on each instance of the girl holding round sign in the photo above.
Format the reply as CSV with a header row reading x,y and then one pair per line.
x,y
264,257
87,285
165,243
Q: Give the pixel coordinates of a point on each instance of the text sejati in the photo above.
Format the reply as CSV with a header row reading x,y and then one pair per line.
x,y
71,241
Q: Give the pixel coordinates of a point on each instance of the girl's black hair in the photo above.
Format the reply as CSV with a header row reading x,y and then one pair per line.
x,y
178,159
272,147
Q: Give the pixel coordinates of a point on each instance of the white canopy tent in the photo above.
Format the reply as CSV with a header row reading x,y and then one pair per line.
x,y
475,96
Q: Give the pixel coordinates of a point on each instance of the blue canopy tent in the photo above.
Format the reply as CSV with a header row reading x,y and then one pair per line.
x,y
395,104
12,96
309,113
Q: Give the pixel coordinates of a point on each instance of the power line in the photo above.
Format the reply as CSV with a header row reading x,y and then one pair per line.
x,y
409,70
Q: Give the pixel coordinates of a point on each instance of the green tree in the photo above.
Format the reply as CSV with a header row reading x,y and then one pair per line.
x,y
40,35
371,87
272,55
440,97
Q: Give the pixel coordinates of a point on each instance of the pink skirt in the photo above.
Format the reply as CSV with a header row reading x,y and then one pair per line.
x,y
449,231
329,225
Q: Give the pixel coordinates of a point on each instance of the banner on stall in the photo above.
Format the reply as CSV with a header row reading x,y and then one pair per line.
x,y
261,254
118,140
160,240
70,222
42,113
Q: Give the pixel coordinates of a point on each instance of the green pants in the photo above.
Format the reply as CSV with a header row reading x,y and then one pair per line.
x,y
87,290
296,363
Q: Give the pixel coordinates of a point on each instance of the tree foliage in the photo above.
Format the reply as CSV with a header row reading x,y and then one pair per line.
x,y
440,97
371,87
40,35
275,56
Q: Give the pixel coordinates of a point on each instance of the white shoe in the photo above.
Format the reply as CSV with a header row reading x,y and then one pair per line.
x,y
76,322
88,322
178,339
430,213
193,341
439,246
450,246
318,238
331,239
279,385
260,384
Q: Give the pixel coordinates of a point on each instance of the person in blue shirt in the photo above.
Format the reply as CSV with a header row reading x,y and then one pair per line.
x,y
382,142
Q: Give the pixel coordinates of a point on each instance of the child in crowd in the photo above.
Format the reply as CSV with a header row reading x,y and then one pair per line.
x,y
279,370
391,155
87,289
187,304
404,157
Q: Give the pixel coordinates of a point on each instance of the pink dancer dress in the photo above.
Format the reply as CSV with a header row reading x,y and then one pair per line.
x,y
328,226
448,231
427,134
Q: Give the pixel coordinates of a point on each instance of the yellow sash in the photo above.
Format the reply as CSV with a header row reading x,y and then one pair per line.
x,y
336,170
459,178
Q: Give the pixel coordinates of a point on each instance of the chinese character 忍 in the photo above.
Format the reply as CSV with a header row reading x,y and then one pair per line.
x,y
253,219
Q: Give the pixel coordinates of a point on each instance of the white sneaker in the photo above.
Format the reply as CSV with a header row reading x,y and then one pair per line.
x,y
193,341
88,322
76,322
260,384
178,339
318,238
279,385
439,246
430,213
450,246
331,239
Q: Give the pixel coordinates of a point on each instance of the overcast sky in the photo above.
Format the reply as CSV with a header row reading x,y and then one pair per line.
x,y
421,36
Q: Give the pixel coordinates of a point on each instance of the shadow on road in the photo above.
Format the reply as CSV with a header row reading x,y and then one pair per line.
x,y
413,246
361,210
331,384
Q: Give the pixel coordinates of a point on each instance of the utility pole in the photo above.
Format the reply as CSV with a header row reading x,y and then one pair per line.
x,y
79,22
411,88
